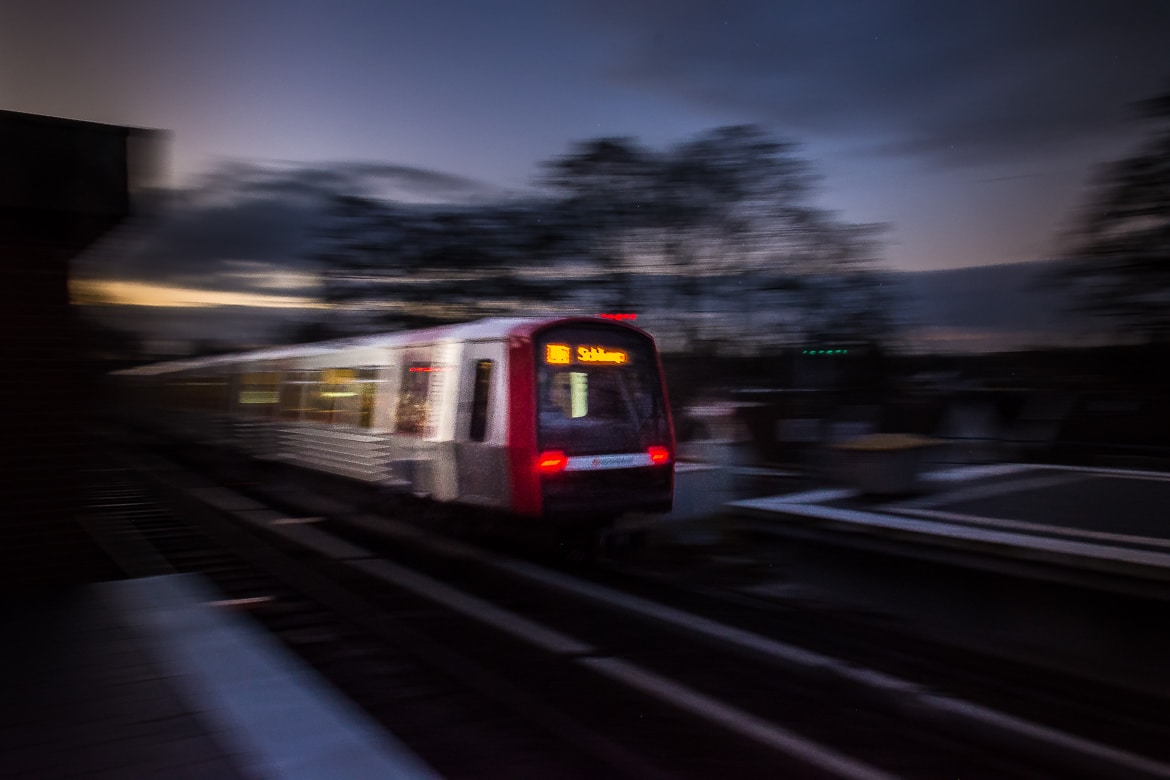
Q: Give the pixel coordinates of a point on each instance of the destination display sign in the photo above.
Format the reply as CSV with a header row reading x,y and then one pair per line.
x,y
558,354
589,354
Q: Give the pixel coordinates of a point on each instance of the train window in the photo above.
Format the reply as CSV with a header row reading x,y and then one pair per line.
x,y
334,397
479,400
293,395
199,392
183,393
568,394
367,388
215,393
412,398
601,394
258,393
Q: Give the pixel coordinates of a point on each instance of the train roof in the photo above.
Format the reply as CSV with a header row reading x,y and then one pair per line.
x,y
493,327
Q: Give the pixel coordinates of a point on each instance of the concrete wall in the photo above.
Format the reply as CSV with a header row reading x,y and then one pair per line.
x,y
63,184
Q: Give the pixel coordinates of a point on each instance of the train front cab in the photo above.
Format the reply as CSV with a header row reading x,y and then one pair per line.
x,y
604,442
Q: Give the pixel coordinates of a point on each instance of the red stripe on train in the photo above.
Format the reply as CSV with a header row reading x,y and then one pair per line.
x,y
526,497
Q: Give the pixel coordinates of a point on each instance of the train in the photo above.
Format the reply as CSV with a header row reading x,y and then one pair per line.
x,y
562,419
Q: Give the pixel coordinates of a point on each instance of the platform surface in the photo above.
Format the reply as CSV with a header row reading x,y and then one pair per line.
x,y
151,678
1104,519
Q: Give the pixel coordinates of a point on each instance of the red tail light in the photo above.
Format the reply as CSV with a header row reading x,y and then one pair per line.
x,y
551,462
659,455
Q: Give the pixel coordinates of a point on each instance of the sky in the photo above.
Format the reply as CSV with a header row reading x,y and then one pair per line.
x,y
970,128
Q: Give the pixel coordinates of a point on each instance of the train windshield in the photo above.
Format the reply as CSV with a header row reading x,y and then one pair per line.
x,y
599,392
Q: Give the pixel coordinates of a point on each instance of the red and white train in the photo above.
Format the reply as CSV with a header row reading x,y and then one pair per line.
x,y
563,419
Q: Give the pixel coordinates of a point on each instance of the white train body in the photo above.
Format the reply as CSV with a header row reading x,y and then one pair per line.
x,y
558,418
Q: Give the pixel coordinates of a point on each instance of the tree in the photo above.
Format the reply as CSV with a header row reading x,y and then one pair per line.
x,y
603,195
724,217
1118,263
717,234
400,266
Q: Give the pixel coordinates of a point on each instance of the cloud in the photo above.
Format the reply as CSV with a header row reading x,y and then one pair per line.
x,y
956,83
115,293
405,183
229,259
270,276
995,300
250,228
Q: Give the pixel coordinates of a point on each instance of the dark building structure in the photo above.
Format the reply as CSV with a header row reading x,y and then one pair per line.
x,y
63,185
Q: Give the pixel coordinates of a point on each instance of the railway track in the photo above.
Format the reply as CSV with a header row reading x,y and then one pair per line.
x,y
461,718
639,674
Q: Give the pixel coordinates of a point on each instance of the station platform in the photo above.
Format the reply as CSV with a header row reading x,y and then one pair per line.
x,y
1060,568
155,677
1110,521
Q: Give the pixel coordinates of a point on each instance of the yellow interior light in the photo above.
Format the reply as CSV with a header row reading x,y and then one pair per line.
x,y
258,397
338,376
579,393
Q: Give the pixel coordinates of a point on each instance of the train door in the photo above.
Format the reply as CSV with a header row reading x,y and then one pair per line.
x,y
479,436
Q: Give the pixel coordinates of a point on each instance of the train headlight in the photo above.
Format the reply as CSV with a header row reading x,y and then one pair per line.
x,y
551,462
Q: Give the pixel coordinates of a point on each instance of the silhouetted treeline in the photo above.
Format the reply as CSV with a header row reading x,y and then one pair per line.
x,y
714,240
1119,255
